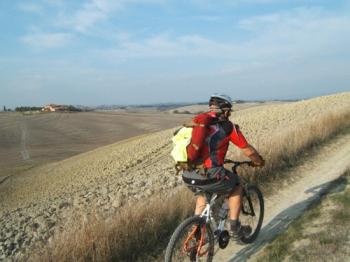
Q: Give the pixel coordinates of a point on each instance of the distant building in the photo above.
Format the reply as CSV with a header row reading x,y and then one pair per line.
x,y
54,108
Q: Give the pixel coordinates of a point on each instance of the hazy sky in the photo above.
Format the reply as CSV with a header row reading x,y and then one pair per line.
x,y
144,51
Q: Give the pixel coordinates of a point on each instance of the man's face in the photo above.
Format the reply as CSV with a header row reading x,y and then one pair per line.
x,y
214,108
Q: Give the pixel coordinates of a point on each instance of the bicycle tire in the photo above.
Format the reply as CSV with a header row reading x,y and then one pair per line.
x,y
176,246
256,215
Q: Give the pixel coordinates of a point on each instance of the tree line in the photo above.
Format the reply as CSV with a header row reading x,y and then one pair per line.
x,y
27,108
69,108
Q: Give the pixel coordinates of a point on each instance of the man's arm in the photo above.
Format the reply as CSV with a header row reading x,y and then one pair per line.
x,y
253,154
239,140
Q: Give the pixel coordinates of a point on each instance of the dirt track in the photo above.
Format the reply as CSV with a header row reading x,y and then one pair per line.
x,y
311,179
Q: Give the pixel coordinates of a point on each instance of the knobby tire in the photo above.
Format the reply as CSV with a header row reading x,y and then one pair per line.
x,y
184,230
258,205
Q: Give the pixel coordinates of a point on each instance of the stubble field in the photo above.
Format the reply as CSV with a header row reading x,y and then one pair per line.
x,y
106,179
30,140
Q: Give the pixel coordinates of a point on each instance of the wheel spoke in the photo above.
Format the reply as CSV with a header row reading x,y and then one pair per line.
x,y
193,240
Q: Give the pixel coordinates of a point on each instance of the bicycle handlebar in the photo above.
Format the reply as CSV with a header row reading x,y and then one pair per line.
x,y
237,164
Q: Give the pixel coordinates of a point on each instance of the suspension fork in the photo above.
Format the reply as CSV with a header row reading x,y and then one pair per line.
x,y
202,241
189,237
206,215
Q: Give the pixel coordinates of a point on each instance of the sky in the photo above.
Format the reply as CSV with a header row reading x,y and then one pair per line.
x,y
103,52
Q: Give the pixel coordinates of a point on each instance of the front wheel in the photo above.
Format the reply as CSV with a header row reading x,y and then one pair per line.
x,y
252,213
193,240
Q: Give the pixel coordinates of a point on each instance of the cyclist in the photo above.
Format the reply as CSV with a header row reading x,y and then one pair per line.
x,y
211,135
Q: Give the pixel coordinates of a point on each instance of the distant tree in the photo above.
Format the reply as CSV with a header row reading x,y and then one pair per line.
x,y
73,109
5,109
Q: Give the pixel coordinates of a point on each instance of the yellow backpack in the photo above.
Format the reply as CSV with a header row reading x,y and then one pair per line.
x,y
181,140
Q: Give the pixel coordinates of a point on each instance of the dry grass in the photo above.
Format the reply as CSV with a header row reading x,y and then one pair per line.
x,y
289,146
136,232
145,228
284,149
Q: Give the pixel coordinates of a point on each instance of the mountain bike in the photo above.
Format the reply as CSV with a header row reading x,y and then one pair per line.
x,y
195,238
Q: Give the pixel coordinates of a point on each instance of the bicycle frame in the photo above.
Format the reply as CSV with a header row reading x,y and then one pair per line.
x,y
207,213
202,232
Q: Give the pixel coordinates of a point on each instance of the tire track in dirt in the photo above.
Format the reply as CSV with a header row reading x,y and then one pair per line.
x,y
24,133
311,179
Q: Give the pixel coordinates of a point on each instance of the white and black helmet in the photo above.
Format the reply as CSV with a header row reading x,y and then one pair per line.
x,y
221,100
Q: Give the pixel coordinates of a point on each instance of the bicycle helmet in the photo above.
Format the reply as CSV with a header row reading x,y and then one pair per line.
x,y
224,102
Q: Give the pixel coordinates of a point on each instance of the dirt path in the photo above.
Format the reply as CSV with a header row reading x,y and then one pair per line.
x,y
311,179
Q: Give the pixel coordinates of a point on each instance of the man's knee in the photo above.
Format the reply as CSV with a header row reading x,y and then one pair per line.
x,y
200,205
237,190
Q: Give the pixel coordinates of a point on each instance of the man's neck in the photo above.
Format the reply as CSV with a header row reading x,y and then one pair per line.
x,y
219,115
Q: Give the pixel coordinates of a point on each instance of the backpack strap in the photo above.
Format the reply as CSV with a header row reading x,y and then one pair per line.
x,y
192,124
185,166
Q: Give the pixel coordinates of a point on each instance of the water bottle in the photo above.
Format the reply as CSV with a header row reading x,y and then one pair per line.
x,y
223,210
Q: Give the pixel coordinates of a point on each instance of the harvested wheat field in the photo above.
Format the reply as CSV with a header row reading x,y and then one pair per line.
x,y
29,140
37,204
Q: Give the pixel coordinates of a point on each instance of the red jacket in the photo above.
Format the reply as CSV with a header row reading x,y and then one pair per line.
x,y
210,140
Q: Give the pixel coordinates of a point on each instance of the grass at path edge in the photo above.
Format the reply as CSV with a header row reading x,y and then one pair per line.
x,y
329,241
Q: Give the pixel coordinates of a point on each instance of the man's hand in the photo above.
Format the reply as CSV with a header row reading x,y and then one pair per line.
x,y
258,164
257,160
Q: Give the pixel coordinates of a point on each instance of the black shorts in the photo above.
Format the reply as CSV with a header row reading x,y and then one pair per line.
x,y
216,180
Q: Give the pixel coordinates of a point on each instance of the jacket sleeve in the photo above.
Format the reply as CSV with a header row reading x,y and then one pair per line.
x,y
199,134
238,138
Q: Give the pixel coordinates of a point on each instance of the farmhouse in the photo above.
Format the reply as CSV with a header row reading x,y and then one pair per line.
x,y
53,108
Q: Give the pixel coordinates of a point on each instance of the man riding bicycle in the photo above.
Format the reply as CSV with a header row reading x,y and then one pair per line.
x,y
211,134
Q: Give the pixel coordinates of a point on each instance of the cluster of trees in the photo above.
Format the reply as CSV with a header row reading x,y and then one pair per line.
x,y
7,109
27,108
73,109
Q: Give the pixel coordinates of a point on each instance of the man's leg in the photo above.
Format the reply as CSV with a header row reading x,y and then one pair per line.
x,y
200,204
234,203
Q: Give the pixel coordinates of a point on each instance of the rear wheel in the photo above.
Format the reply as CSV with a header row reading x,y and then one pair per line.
x,y
193,240
252,213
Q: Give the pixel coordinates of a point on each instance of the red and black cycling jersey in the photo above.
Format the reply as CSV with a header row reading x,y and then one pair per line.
x,y
210,140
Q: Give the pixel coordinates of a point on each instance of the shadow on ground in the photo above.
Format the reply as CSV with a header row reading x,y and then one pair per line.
x,y
281,222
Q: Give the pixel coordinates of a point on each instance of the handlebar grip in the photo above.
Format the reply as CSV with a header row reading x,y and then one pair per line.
x,y
238,163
